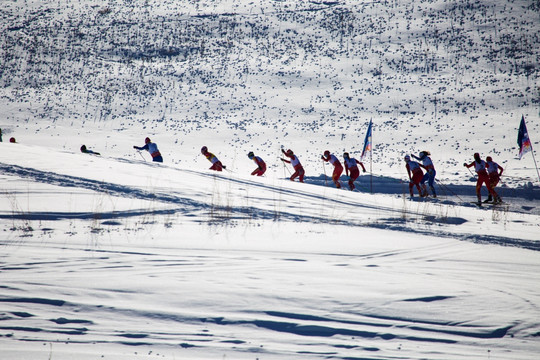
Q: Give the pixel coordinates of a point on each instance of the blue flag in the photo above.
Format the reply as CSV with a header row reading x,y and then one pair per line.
x,y
523,140
368,146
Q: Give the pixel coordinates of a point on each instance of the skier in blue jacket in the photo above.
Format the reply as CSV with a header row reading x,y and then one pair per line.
x,y
152,149
430,171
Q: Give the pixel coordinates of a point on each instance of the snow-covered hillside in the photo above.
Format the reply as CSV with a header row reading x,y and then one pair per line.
x,y
111,258
117,257
452,77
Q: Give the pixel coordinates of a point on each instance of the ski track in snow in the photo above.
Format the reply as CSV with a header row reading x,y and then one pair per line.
x,y
149,296
112,306
189,207
114,258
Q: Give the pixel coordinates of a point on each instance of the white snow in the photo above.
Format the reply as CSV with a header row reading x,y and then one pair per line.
x,y
116,257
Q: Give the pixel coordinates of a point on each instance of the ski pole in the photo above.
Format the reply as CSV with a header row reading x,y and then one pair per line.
x,y
325,177
141,155
283,162
470,172
285,166
449,190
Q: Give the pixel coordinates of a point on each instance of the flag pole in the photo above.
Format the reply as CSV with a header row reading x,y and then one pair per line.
x,y
368,145
371,161
524,142
535,165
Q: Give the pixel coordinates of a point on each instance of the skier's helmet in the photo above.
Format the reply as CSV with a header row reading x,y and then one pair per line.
x,y
407,158
204,150
289,152
147,140
327,153
12,140
346,155
476,156
251,155
489,158
83,148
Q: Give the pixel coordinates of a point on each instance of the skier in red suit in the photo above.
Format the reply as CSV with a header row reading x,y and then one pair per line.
x,y
417,175
494,171
216,164
261,166
299,169
483,178
351,169
338,168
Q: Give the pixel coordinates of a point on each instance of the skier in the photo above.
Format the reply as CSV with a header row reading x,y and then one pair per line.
x,y
152,149
338,168
483,178
299,170
261,166
88,151
352,168
429,176
417,175
12,140
494,174
216,164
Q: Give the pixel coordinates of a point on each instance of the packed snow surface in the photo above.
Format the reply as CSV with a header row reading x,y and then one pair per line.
x,y
113,256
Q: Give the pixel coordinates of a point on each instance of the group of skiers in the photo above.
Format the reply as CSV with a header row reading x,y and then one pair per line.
x,y
489,172
416,175
351,167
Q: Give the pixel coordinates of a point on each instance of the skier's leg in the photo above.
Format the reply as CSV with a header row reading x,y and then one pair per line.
x,y
478,188
336,175
431,182
294,175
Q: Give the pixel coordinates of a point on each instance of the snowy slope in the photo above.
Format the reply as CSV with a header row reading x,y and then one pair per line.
x,y
121,258
450,77
114,256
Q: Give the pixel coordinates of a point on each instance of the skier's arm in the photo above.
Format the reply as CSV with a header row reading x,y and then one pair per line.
x,y
408,171
284,160
468,165
500,168
327,159
362,165
145,147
